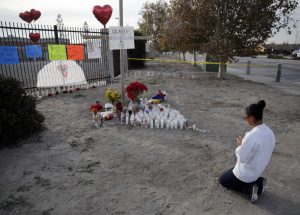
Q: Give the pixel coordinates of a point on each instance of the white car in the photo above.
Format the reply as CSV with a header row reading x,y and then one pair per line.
x,y
296,54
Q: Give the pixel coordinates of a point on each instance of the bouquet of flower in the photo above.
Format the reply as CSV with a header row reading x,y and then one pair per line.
x,y
134,90
107,115
96,107
119,107
161,96
112,95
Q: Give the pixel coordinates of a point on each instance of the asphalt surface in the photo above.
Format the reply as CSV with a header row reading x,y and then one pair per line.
x,y
264,70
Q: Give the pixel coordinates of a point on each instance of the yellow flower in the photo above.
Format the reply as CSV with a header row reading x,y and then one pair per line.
x,y
112,95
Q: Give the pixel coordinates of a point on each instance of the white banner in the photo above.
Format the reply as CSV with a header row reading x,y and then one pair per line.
x,y
61,73
94,49
121,38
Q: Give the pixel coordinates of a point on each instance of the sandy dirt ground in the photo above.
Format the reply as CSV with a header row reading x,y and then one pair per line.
x,y
75,168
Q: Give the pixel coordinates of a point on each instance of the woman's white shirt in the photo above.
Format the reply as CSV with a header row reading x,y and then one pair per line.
x,y
254,154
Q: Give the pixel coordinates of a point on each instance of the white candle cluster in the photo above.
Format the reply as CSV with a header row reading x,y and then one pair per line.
x,y
160,116
42,92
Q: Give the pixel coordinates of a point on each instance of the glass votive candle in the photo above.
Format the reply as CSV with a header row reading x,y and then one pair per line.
x,y
181,124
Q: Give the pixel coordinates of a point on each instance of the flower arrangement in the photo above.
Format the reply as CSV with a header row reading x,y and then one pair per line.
x,y
160,95
112,96
134,90
107,115
96,107
119,107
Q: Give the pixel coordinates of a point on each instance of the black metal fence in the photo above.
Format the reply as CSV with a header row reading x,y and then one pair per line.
x,y
26,71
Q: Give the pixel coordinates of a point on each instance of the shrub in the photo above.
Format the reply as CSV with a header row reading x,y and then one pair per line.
x,y
18,115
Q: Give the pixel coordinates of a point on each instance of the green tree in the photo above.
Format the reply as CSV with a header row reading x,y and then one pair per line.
x,y
220,28
188,29
241,25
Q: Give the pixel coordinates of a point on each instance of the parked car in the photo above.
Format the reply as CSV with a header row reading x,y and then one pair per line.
x,y
296,54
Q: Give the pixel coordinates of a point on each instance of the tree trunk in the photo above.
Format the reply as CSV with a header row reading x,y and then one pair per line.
x,y
221,72
183,53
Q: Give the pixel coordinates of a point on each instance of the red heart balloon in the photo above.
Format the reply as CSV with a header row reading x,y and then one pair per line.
x,y
34,37
35,14
102,14
26,16
29,16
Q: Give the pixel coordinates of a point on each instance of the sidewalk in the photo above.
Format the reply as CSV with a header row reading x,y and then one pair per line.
x,y
284,85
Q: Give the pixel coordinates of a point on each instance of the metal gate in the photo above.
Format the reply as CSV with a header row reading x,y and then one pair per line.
x,y
26,71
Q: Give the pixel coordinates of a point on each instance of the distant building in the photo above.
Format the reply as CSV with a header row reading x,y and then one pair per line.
x,y
285,49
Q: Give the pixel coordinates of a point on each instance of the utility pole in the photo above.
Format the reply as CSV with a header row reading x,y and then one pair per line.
x,y
218,40
121,53
296,38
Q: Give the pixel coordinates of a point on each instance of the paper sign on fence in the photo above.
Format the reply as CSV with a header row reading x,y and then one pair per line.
x,y
33,51
75,52
57,52
9,55
94,49
121,38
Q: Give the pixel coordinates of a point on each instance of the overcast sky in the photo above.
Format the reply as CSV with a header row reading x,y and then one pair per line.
x,y
76,12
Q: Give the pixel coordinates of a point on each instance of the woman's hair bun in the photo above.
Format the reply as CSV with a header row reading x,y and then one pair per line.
x,y
261,104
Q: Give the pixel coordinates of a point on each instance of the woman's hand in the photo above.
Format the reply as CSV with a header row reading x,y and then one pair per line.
x,y
239,140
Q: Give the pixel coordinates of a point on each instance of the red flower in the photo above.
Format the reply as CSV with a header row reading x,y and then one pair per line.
x,y
135,89
110,117
96,107
160,93
119,106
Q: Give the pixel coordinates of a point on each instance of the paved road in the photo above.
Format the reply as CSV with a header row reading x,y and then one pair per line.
x,y
264,70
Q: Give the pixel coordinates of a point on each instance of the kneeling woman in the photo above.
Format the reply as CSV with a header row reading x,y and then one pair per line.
x,y
253,155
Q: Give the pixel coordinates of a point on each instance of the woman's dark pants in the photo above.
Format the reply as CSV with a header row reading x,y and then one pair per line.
x,y
229,181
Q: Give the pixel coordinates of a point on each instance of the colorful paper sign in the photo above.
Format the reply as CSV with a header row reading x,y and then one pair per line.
x,y
75,52
34,51
9,55
57,52
94,49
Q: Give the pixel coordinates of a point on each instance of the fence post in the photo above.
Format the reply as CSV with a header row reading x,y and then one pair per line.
x,y
278,74
56,34
248,67
111,65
